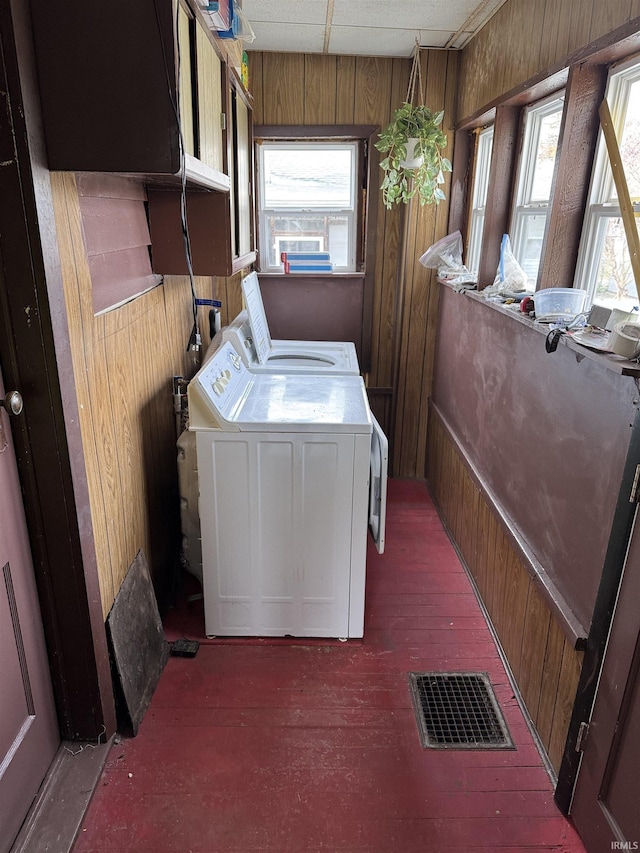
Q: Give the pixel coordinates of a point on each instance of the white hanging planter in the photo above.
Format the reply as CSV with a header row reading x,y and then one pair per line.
x,y
411,162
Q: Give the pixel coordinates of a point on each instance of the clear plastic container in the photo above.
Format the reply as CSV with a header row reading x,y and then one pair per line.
x,y
559,304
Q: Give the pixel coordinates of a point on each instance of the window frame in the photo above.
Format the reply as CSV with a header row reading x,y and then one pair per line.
x,y
525,206
350,213
479,194
367,183
602,202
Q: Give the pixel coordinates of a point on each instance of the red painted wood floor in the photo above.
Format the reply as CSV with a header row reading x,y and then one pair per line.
x,y
289,746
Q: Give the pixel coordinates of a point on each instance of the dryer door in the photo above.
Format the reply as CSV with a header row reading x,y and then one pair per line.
x,y
378,484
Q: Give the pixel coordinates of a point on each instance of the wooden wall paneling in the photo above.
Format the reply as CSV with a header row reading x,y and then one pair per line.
x,y
495,589
484,529
388,234
345,89
604,18
283,104
550,678
534,644
233,302
116,380
553,15
531,26
78,308
523,38
580,23
565,697
409,369
320,74
372,87
108,519
255,86
154,469
515,593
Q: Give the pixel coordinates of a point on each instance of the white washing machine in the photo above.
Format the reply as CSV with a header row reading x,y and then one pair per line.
x,y
285,464
317,357
293,357
250,334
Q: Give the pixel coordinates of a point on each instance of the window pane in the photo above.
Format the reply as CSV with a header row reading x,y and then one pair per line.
x,y
308,178
630,142
545,157
296,233
479,197
614,277
530,240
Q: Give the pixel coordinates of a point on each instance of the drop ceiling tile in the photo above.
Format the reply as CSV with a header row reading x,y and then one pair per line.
x,y
366,41
408,14
286,11
288,38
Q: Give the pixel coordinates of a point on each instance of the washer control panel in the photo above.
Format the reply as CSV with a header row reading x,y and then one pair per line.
x,y
221,383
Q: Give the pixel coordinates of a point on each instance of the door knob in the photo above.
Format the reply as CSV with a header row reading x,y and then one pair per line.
x,y
13,402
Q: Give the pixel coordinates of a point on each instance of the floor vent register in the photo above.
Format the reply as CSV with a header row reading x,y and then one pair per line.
x,y
458,710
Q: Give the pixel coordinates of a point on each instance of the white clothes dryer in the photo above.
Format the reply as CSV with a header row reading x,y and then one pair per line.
x,y
285,468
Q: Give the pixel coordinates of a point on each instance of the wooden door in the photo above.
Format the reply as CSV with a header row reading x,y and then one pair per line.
x,y
605,804
28,727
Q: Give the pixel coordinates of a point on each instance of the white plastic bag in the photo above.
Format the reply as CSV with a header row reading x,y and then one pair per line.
x,y
446,257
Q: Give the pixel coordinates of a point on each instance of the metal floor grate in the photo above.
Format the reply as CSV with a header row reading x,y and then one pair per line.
x,y
458,710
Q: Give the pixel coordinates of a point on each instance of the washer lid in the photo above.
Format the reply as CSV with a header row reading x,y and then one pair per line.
x,y
257,317
299,402
256,343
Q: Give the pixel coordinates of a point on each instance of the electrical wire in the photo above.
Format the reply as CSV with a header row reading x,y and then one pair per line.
x,y
195,339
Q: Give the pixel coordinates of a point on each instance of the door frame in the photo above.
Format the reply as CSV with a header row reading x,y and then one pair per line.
x,y
36,360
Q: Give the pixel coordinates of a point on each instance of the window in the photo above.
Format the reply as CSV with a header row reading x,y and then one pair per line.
x,y
604,269
308,201
484,146
533,186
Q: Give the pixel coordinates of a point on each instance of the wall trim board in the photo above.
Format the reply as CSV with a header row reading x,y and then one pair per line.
x,y
571,626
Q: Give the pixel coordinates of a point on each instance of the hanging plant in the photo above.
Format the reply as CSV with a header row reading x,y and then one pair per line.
x,y
413,144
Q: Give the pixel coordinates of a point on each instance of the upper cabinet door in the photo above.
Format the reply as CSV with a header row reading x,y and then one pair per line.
x,y
209,76
186,30
118,88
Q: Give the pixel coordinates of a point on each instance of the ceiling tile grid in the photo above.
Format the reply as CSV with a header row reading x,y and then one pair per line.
x,y
365,27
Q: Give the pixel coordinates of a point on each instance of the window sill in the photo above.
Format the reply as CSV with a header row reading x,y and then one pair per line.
x,y
303,275
615,363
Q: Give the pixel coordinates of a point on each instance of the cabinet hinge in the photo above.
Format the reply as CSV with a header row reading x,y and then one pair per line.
x,y
223,121
583,733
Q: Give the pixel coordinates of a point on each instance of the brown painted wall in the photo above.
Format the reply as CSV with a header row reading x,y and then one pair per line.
x,y
548,432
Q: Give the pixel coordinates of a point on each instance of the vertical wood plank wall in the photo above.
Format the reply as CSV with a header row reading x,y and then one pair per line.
x,y
544,663
314,89
123,362
528,36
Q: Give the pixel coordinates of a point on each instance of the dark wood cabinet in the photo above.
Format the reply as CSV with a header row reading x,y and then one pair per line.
x,y
220,225
120,82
